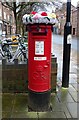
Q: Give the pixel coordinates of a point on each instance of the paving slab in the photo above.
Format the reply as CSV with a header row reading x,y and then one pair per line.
x,y
25,115
7,102
20,103
71,88
54,98
64,96
75,86
74,95
73,119
72,80
73,76
6,114
51,115
60,107
72,107
73,70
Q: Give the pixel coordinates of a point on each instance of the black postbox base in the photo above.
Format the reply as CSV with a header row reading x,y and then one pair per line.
x,y
39,101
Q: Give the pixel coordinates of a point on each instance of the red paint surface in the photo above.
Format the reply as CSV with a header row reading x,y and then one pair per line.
x,y
39,72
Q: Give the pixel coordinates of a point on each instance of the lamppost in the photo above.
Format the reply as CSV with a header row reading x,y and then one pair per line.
x,y
67,47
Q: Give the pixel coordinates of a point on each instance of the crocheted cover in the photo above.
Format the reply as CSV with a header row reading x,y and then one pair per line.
x,y
41,17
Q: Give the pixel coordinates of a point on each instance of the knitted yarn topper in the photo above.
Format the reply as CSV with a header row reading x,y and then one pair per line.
x,y
40,17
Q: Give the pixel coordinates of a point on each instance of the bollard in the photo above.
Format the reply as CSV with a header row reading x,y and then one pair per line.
x,y
67,47
65,76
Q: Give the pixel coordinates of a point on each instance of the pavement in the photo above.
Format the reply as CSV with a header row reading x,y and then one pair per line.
x,y
65,102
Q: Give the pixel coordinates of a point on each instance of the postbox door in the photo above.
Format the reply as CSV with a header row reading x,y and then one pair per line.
x,y
40,61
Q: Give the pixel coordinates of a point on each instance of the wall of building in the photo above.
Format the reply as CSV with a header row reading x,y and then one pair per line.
x,y
7,21
74,20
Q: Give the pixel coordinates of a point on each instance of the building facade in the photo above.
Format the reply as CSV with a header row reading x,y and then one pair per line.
x,y
61,15
74,22
7,21
62,19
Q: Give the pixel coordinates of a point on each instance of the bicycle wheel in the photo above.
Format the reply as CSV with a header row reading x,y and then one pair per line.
x,y
20,57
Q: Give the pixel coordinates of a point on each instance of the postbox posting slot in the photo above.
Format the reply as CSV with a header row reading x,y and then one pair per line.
x,y
37,29
40,31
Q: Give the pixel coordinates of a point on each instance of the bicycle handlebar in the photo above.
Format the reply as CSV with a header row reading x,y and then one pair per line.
x,y
10,42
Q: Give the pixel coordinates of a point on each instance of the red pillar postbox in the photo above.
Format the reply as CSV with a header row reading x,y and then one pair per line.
x,y
39,66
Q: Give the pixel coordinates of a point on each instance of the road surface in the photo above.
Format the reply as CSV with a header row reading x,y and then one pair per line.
x,y
57,49
74,42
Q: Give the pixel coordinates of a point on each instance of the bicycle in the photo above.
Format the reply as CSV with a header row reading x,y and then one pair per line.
x,y
5,49
21,51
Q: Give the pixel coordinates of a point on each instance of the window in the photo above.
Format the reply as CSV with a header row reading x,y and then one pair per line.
x,y
0,13
4,15
10,18
73,31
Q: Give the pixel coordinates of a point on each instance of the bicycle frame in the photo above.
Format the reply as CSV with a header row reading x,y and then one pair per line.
x,y
17,53
21,51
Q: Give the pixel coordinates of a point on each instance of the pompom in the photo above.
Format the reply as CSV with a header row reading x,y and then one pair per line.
x,y
37,16
51,15
33,12
44,14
